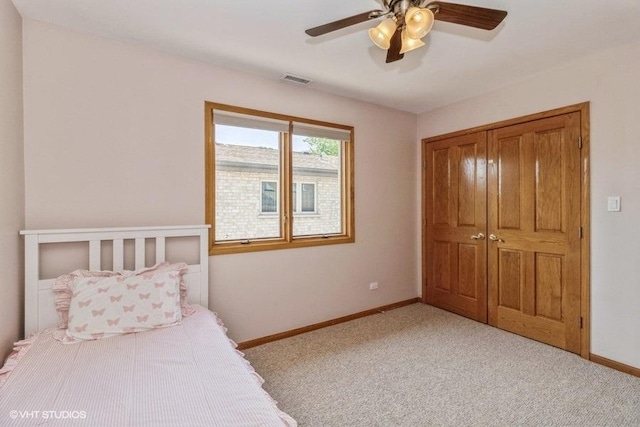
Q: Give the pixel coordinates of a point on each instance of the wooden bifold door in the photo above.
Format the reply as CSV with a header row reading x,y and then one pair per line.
x,y
503,227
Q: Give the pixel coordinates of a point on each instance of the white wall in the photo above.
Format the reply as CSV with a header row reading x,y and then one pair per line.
x,y
11,175
114,135
610,81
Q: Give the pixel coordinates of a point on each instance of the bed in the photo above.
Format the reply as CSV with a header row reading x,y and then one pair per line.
x,y
185,373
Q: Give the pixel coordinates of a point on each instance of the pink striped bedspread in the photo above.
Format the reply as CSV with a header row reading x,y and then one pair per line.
x,y
186,375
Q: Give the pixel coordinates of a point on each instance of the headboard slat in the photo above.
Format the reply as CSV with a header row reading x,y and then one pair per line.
x,y
31,276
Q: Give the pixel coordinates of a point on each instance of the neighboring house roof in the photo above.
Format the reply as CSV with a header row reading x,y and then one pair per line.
x,y
239,157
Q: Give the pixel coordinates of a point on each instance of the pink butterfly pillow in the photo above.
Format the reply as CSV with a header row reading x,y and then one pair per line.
x,y
63,286
105,307
105,304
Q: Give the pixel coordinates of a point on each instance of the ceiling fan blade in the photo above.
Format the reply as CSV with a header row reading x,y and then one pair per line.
x,y
471,16
343,23
393,53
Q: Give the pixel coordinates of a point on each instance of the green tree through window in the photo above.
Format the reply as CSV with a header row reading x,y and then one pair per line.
x,y
323,146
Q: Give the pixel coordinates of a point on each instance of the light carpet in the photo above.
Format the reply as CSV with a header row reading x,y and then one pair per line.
x,y
422,366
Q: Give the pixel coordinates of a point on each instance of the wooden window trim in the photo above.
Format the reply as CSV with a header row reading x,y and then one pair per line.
x,y
287,241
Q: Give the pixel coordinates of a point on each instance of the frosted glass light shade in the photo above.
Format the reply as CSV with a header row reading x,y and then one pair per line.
x,y
409,43
381,35
419,22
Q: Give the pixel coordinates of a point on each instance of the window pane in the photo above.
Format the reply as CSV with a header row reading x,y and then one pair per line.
x,y
247,178
308,198
295,197
269,197
317,170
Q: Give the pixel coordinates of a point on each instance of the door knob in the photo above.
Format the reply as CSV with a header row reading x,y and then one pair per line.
x,y
495,238
478,236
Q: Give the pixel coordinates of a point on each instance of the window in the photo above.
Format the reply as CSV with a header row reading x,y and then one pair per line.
x,y
269,197
275,181
306,198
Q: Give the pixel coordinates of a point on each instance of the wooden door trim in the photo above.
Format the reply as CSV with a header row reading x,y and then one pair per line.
x,y
582,107
585,216
585,223
423,210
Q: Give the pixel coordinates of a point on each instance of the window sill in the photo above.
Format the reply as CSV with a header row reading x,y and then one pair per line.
x,y
268,215
295,215
268,245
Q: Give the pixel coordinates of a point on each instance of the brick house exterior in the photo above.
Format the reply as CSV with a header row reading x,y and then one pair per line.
x,y
241,174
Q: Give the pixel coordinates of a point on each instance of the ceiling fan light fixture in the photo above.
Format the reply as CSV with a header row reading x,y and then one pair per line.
x,y
409,43
418,22
408,21
381,35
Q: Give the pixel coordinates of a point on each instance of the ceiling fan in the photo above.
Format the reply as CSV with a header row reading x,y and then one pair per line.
x,y
408,21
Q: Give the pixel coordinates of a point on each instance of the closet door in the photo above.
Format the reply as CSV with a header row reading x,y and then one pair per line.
x,y
455,220
534,230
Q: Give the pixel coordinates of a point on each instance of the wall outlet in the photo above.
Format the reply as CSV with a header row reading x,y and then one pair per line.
x,y
373,286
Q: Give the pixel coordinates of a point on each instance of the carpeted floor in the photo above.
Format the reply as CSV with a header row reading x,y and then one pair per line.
x,y
421,366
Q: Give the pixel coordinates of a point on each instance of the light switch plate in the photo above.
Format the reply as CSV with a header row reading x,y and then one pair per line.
x,y
613,204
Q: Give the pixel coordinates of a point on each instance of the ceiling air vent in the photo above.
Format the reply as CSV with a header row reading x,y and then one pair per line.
x,y
295,79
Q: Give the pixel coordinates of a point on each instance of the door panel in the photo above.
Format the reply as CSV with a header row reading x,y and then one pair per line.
x,y
441,267
534,218
510,278
509,183
549,192
549,286
468,270
455,185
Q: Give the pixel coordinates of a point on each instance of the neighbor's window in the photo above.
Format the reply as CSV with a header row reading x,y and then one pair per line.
x,y
269,197
306,198
275,181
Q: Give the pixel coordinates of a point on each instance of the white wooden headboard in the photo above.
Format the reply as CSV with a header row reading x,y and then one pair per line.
x,y
40,310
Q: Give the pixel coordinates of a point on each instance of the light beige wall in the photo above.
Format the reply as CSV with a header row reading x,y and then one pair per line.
x,y
114,135
610,81
11,175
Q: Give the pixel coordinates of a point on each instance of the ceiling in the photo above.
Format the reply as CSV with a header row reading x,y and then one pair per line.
x,y
267,38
